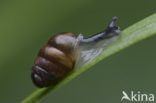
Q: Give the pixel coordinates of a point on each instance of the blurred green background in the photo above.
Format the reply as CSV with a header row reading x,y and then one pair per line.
x,y
26,25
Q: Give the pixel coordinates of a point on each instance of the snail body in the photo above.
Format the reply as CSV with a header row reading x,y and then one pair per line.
x,y
57,58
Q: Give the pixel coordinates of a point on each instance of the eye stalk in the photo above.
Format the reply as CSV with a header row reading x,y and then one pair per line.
x,y
112,28
112,24
111,31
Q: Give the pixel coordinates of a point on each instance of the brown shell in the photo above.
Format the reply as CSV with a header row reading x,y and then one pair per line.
x,y
55,60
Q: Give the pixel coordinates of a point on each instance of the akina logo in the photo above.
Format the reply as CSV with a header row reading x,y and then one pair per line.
x,y
137,97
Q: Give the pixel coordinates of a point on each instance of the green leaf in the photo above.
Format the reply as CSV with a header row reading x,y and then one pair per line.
x,y
133,34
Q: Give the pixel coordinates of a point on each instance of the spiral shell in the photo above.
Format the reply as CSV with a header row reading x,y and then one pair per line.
x,y
55,60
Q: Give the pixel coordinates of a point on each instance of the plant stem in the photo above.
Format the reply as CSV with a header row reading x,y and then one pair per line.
x,y
129,36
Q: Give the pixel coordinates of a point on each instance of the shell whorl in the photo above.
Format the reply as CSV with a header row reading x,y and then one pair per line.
x,y
55,60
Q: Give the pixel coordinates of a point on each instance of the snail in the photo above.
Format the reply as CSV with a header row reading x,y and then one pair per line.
x,y
57,59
